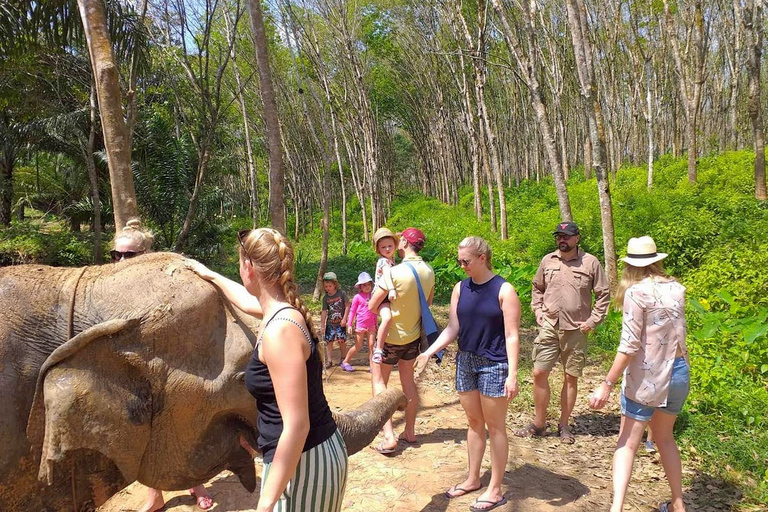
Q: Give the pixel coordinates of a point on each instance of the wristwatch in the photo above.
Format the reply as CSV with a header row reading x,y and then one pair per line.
x,y
610,384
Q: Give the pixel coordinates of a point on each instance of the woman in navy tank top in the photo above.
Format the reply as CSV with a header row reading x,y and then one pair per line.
x,y
485,317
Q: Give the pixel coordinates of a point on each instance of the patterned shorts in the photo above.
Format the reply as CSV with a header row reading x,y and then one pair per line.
x,y
335,332
394,353
475,372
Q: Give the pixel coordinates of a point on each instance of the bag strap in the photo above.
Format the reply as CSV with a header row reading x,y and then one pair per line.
x,y
427,320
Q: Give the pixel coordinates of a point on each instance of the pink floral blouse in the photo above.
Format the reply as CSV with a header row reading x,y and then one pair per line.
x,y
653,327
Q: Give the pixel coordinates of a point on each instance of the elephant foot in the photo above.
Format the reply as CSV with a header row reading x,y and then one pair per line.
x,y
154,501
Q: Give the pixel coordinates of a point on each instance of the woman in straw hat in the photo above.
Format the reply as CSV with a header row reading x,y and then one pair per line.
x,y
653,359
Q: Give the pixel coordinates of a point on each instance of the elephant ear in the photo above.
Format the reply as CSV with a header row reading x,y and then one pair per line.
x,y
93,393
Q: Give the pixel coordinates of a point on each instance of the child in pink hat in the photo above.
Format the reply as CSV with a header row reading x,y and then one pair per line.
x,y
363,320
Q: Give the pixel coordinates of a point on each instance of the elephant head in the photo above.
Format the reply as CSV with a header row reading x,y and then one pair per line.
x,y
148,386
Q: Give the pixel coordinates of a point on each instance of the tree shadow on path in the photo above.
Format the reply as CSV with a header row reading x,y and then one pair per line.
x,y
529,481
526,482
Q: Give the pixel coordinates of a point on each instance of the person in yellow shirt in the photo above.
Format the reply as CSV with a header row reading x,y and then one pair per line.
x,y
404,336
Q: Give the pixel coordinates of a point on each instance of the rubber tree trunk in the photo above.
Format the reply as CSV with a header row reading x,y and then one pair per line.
x,y
690,78
8,151
577,22
114,128
753,19
526,66
271,119
252,181
94,179
649,117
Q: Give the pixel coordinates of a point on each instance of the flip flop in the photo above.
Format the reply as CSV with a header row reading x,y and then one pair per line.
x,y
401,438
384,451
461,490
531,430
494,505
203,502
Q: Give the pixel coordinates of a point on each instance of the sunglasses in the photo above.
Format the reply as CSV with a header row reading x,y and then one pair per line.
x,y
120,255
242,235
462,262
563,237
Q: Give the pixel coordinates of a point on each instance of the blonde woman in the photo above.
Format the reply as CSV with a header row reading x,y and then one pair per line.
x,y
305,459
132,241
653,359
485,316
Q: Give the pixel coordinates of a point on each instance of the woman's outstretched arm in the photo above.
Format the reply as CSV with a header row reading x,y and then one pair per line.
x,y
234,292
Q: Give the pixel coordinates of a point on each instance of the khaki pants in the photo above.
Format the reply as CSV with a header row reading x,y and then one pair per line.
x,y
570,347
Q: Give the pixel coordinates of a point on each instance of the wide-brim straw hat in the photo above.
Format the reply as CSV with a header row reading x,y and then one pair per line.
x,y
384,233
363,278
641,252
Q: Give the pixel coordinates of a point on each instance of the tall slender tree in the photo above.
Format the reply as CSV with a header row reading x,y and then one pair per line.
x,y
577,20
753,21
116,133
271,118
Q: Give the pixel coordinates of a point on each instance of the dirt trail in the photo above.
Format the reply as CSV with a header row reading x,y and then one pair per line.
x,y
542,474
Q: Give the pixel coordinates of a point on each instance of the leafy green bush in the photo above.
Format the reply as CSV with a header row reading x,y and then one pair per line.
x,y
45,241
708,228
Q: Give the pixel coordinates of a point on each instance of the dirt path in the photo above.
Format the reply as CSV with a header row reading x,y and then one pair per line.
x,y
542,474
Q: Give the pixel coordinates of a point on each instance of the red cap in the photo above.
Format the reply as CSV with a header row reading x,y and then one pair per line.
x,y
415,237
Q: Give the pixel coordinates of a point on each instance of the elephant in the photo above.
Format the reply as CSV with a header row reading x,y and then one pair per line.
x,y
128,371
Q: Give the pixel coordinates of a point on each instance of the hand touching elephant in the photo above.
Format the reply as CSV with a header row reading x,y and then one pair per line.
x,y
125,372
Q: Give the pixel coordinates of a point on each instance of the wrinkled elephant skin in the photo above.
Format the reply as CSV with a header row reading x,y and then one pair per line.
x,y
123,372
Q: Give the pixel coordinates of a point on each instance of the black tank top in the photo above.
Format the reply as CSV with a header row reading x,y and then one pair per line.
x,y
270,423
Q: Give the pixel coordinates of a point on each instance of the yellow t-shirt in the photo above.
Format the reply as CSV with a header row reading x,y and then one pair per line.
x,y
406,308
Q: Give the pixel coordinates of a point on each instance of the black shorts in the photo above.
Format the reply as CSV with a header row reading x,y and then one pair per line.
x,y
394,353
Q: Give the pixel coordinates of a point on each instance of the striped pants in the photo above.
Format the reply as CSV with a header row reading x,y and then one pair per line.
x,y
319,481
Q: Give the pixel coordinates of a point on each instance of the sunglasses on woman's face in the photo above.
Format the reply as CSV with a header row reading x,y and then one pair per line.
x,y
242,235
121,255
462,262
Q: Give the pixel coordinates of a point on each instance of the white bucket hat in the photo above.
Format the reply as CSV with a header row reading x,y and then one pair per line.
x,y
363,278
641,252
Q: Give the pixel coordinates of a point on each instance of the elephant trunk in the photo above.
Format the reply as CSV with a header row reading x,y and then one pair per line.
x,y
360,426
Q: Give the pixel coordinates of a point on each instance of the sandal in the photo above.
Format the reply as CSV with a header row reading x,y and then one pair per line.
x,y
383,450
566,436
493,504
203,502
531,430
458,492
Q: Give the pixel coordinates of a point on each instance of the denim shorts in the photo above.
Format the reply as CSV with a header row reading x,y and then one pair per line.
x,y
678,392
335,332
475,372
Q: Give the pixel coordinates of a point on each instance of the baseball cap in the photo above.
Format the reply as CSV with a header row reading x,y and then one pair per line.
x,y
329,276
566,228
415,237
